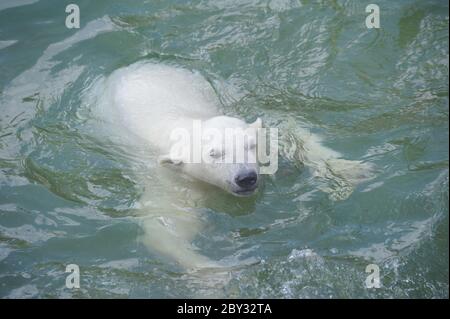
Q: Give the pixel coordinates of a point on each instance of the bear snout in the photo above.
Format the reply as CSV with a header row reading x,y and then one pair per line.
x,y
246,179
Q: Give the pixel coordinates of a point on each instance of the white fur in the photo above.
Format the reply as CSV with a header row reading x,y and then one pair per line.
x,y
150,101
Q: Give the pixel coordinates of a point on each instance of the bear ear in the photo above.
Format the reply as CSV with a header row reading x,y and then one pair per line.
x,y
256,124
167,160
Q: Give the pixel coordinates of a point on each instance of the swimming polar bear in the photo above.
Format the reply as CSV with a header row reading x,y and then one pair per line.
x,y
154,101
159,103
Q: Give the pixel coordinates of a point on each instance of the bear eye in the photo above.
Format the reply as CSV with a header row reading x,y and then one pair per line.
x,y
251,144
216,153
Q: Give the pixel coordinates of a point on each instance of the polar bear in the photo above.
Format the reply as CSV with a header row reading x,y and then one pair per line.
x,y
154,101
158,101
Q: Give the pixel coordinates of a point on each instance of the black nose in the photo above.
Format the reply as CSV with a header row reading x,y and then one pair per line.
x,y
246,180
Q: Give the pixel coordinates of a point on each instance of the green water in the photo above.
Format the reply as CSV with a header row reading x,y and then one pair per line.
x,y
379,95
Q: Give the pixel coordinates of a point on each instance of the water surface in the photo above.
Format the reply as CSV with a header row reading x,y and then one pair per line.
x,y
378,95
